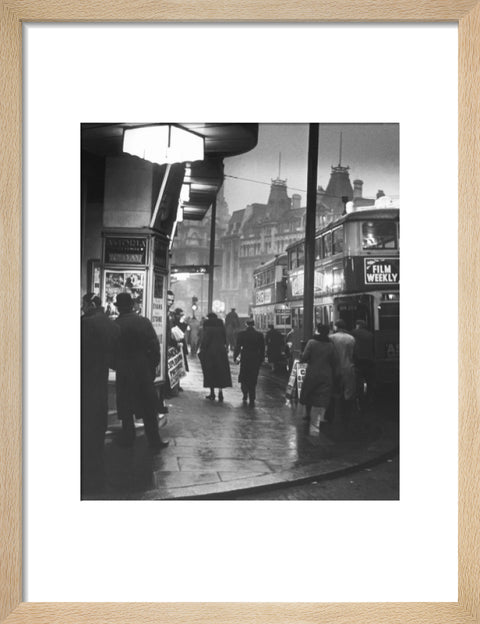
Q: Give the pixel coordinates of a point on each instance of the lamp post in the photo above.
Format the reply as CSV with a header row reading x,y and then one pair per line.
x,y
212,255
309,272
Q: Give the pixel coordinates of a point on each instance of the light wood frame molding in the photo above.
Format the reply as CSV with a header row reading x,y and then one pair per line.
x,y
15,12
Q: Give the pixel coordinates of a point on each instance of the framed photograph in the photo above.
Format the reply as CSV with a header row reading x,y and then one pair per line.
x,y
208,563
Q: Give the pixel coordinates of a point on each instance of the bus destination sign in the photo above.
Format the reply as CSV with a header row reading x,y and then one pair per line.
x,y
382,271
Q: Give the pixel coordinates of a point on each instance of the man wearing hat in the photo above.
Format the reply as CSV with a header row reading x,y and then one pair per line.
x,y
251,348
98,341
232,327
138,355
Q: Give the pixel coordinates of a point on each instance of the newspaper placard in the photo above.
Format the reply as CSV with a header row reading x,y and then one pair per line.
x,y
292,382
175,366
301,370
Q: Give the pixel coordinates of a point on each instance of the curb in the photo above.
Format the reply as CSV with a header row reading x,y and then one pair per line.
x,y
380,451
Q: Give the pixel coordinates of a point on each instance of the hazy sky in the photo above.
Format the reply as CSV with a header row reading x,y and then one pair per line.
x,y
370,150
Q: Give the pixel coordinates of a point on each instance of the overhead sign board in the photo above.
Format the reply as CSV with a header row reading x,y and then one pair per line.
x,y
125,250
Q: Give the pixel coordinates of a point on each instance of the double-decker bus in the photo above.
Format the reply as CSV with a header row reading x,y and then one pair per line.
x,y
270,292
357,276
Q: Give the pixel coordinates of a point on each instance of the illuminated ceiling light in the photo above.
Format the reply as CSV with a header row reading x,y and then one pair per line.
x,y
179,213
185,193
172,235
163,144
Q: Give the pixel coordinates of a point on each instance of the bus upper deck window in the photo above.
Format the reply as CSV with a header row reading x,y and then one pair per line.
x,y
327,244
301,255
379,235
337,242
291,260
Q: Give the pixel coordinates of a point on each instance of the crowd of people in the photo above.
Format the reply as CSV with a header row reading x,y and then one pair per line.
x,y
213,339
339,364
129,345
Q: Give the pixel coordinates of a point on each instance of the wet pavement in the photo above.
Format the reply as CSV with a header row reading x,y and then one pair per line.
x,y
379,482
217,449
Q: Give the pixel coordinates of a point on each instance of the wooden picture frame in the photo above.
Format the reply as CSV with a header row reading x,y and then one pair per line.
x,y
16,12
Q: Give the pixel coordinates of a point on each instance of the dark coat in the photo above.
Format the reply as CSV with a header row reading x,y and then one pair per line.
x,y
232,320
251,348
317,387
213,355
99,335
363,344
138,355
274,344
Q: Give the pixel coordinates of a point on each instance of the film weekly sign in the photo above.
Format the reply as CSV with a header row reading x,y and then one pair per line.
x,y
384,271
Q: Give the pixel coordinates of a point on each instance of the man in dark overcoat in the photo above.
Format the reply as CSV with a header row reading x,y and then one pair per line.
x,y
274,344
251,349
232,327
98,340
138,355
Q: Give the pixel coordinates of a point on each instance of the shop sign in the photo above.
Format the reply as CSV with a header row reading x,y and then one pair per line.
x,y
125,250
382,271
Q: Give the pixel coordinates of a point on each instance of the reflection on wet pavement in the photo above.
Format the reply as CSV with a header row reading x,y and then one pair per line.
x,y
214,445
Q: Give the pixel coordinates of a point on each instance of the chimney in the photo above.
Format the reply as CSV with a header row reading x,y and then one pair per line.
x,y
380,193
357,188
296,201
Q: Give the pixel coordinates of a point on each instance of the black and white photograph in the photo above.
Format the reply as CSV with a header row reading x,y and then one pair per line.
x,y
240,311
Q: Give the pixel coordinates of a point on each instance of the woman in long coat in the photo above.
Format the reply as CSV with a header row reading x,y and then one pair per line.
x,y
317,387
213,356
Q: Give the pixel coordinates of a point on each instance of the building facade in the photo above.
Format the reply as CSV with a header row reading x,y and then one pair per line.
x,y
259,232
250,237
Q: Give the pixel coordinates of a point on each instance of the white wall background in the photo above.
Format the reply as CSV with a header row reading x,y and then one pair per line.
x,y
249,551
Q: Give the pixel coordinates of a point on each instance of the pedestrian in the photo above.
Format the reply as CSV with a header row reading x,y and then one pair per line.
x,y
364,360
213,357
251,349
138,355
169,391
193,335
274,344
232,327
179,322
289,351
317,386
170,299
344,344
98,341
